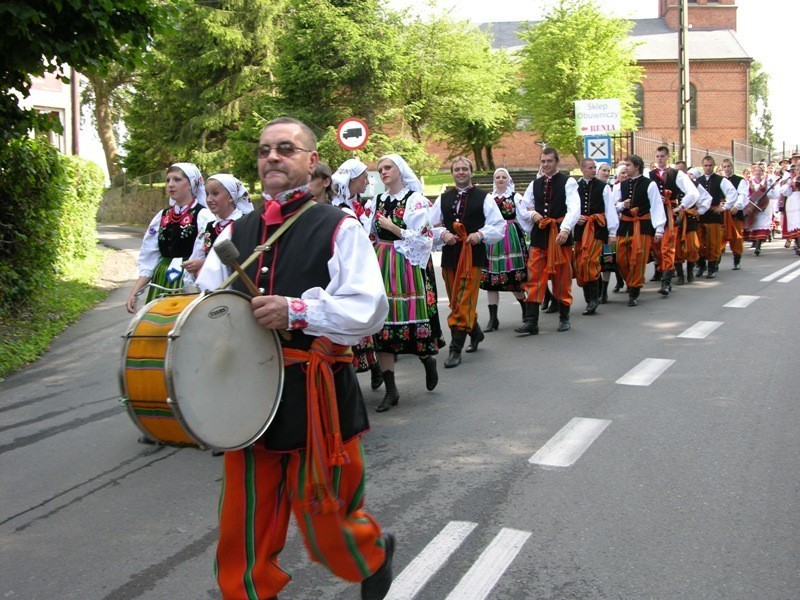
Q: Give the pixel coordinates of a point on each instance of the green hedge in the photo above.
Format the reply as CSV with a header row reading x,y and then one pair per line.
x,y
49,202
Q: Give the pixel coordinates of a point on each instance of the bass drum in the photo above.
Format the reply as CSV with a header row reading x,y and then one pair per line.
x,y
198,370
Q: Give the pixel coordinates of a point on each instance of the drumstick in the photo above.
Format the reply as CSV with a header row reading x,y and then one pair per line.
x,y
228,253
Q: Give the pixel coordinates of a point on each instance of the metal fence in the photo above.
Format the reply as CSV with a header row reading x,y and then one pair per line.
x,y
131,185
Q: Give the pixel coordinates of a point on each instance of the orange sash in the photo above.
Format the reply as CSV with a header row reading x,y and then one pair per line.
x,y
324,447
637,245
554,256
587,238
465,274
731,233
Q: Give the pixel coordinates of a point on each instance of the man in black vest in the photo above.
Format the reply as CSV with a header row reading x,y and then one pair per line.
x,y
723,197
677,192
470,219
736,240
321,287
550,208
597,225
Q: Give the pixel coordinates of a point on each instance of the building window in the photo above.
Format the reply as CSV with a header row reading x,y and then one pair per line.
x,y
54,139
638,111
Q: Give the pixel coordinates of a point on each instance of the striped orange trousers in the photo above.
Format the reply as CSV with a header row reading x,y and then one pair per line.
x,y
538,276
733,234
586,261
632,265
260,490
711,238
687,243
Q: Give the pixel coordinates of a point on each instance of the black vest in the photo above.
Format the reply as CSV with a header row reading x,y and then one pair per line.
x,y
296,262
176,238
635,190
713,186
592,203
388,205
735,181
554,206
471,215
670,184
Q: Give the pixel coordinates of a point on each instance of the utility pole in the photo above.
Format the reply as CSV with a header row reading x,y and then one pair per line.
x,y
684,89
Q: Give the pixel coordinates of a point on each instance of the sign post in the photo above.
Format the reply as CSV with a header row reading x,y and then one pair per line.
x,y
352,134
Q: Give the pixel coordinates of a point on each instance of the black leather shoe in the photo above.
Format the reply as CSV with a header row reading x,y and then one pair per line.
x,y
633,302
376,586
553,307
591,308
376,379
431,375
474,339
656,276
528,328
453,360
666,287
392,395
563,325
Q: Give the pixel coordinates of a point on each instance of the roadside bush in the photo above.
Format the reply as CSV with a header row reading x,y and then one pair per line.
x,y
32,182
77,224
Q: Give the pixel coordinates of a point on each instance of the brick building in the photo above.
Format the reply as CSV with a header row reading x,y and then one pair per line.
x,y
719,71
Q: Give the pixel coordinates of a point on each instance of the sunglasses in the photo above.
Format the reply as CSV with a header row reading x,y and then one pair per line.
x,y
284,149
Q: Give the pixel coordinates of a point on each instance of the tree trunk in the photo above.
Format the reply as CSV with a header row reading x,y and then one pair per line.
x,y
490,158
105,123
477,153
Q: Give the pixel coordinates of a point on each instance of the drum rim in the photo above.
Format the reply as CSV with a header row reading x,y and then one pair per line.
x,y
174,403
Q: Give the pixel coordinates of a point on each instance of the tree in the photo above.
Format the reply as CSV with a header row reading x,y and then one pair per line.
x,y
760,116
109,96
88,35
201,80
559,66
337,59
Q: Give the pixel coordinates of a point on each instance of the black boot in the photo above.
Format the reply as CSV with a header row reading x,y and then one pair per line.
x,y
531,323
563,317
431,375
493,324
689,272
475,337
713,267
657,276
737,262
758,247
633,296
459,336
592,292
701,267
376,586
620,282
550,304
680,279
376,380
522,305
603,292
666,283
392,396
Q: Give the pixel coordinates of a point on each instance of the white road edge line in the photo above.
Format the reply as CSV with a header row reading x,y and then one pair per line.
x,y
780,272
700,330
478,582
414,577
567,446
741,302
646,372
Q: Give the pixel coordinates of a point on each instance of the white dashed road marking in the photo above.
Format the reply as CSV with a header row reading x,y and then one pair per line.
x,y
780,272
567,446
646,372
700,330
490,566
741,301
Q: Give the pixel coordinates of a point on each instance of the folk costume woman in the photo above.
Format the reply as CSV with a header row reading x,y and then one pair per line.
x,y
228,200
169,239
791,208
347,184
759,229
506,269
403,242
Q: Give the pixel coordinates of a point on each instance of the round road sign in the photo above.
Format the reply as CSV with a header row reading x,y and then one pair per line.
x,y
352,134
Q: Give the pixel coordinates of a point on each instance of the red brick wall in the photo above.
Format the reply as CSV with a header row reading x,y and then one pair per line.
x,y
706,15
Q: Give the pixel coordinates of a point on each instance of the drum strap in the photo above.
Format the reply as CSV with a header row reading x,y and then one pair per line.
x,y
261,248
324,447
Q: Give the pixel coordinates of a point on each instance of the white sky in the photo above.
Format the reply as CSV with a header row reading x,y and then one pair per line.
x,y
765,28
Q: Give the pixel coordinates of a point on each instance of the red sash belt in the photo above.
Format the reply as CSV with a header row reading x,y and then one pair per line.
x,y
324,447
554,254
592,221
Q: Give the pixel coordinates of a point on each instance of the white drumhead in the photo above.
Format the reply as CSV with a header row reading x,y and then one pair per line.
x,y
225,371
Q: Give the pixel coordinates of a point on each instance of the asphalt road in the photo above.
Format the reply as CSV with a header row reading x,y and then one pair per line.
x,y
683,488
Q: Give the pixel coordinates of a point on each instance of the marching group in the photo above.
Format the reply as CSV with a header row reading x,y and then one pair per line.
x,y
353,282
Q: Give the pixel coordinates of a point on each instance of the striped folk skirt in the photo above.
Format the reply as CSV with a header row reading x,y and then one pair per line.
x,y
506,261
412,325
160,278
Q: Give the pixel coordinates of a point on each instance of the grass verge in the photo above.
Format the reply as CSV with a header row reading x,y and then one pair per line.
x,y
26,332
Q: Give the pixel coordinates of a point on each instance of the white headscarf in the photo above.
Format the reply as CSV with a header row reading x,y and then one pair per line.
x,y
195,180
340,181
237,191
696,172
407,176
509,186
